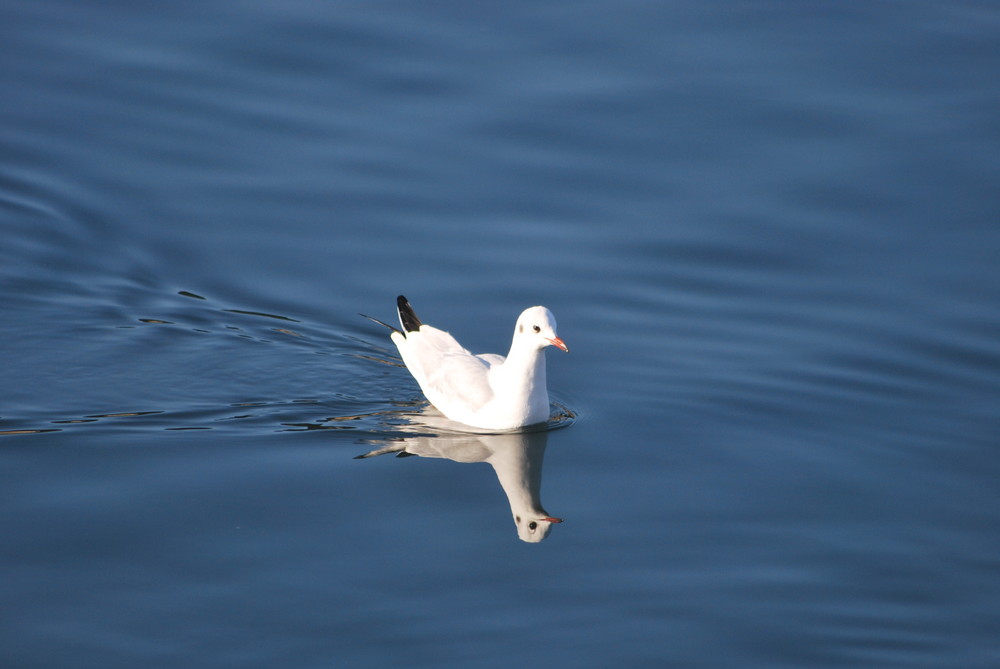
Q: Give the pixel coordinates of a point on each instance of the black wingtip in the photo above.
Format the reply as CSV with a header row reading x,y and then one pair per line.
x,y
407,318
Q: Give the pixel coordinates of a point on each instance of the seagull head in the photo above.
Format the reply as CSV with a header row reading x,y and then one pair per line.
x,y
533,529
536,327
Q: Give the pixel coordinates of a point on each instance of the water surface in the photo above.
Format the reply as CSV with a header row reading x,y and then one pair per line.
x,y
768,233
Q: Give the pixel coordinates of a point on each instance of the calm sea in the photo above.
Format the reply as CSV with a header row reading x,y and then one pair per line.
x,y
769,231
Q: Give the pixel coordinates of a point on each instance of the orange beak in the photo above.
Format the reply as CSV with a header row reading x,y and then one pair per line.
x,y
556,341
553,520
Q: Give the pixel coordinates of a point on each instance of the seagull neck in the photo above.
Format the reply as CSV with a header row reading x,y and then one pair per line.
x,y
525,362
519,470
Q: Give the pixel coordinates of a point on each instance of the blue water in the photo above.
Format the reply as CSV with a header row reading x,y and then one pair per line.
x,y
770,233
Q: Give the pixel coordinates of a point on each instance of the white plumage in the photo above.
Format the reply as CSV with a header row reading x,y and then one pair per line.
x,y
486,391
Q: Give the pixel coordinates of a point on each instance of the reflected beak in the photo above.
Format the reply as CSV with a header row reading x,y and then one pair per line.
x,y
553,520
556,341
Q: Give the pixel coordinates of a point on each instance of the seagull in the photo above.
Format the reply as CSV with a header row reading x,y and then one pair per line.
x,y
486,391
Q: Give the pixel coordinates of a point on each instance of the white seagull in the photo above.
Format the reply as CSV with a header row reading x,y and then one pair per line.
x,y
486,391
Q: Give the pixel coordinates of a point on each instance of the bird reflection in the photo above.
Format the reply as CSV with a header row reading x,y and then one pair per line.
x,y
515,457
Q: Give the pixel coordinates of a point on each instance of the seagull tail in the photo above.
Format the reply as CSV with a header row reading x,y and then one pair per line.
x,y
407,318
378,321
395,448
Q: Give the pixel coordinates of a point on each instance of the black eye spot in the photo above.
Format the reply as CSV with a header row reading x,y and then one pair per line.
x,y
532,526
536,328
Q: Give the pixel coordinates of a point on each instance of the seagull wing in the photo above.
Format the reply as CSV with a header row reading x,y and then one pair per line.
x,y
451,377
